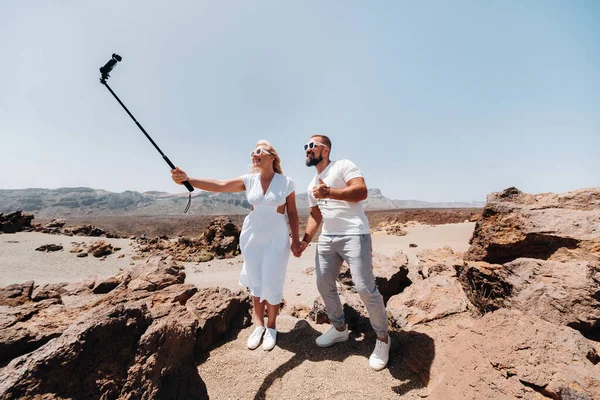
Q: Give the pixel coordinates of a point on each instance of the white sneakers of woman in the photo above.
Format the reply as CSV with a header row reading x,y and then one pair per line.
x,y
255,337
332,336
381,355
269,339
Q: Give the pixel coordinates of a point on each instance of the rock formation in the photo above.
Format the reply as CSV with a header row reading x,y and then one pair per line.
x,y
141,339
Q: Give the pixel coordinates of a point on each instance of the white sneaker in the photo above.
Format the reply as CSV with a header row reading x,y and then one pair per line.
x,y
269,339
332,336
381,355
255,336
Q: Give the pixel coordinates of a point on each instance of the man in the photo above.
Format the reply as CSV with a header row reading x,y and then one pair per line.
x,y
335,196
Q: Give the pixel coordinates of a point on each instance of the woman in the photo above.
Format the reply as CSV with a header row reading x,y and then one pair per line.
x,y
264,239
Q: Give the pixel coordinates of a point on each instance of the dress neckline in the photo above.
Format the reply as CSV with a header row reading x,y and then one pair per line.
x,y
268,187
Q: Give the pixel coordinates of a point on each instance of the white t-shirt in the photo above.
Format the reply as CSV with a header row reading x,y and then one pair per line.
x,y
339,217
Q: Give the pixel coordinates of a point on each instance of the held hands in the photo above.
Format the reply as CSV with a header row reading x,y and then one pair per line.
x,y
298,248
179,176
321,191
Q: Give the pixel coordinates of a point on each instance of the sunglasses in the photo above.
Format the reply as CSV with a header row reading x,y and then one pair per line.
x,y
312,145
258,152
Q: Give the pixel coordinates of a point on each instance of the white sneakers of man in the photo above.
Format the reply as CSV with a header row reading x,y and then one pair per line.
x,y
269,339
379,358
332,336
381,355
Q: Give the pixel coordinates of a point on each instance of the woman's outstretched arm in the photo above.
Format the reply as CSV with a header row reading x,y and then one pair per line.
x,y
211,185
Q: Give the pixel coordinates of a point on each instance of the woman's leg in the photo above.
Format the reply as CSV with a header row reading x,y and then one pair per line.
x,y
272,311
259,311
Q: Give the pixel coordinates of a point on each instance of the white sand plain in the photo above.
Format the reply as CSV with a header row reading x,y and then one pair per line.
x,y
19,262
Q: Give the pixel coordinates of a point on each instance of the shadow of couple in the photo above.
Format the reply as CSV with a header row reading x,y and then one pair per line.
x,y
300,341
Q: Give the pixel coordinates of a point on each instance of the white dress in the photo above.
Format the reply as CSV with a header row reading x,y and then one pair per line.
x,y
264,240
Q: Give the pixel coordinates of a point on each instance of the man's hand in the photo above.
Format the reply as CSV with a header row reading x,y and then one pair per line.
x,y
179,176
303,246
321,191
296,249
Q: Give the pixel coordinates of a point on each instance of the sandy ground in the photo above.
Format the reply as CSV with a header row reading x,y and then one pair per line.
x,y
19,262
297,369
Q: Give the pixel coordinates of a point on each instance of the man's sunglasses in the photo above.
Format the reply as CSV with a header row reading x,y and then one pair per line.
x,y
312,145
259,151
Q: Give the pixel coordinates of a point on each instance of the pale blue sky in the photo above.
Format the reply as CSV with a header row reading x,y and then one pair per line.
x,y
434,100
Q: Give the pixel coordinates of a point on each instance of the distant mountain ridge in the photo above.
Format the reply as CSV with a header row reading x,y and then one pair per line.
x,y
82,201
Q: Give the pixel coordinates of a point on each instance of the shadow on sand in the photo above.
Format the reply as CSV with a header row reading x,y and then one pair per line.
x,y
300,342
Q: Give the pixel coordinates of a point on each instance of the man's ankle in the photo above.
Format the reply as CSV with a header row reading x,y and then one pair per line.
x,y
384,339
342,329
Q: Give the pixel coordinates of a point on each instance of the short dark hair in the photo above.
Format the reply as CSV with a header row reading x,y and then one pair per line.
x,y
325,140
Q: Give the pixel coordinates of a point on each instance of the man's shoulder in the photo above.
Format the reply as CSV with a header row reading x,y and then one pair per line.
x,y
344,161
344,166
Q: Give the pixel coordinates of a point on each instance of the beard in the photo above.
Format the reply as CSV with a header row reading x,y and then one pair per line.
x,y
311,161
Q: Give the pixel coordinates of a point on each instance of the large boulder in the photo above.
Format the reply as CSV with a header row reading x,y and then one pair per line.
x,y
427,300
438,262
540,254
15,222
561,293
435,292
17,294
222,237
545,226
506,354
25,328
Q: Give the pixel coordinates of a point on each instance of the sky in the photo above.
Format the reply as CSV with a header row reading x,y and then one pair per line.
x,y
433,100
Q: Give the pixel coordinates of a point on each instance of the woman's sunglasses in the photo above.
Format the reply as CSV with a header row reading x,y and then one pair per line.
x,y
259,151
312,145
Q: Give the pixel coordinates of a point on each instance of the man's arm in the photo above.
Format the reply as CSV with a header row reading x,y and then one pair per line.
x,y
355,191
312,226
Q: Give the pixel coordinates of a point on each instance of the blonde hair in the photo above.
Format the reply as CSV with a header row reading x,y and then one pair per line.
x,y
269,147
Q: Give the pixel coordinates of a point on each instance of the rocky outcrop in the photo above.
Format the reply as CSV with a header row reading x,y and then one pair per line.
x,y
561,293
220,239
57,227
435,293
427,300
506,354
141,340
17,294
48,248
546,226
539,254
15,222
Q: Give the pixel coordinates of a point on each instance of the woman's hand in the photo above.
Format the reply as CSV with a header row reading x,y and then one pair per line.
x,y
179,176
297,248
